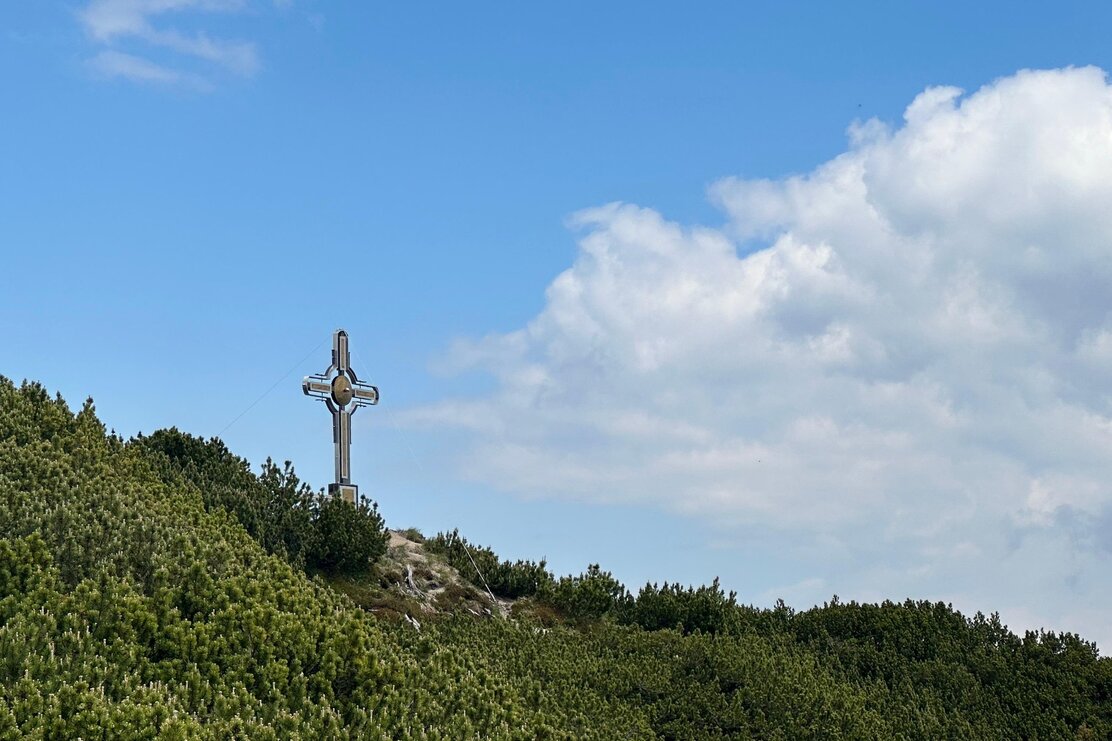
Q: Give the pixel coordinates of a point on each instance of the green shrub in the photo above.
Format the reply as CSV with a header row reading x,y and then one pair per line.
x,y
224,479
288,513
349,537
480,566
275,507
592,595
412,533
705,609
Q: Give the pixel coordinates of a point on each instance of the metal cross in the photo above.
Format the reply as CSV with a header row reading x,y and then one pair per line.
x,y
342,392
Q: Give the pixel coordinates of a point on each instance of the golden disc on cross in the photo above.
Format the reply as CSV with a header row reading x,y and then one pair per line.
x,y
341,390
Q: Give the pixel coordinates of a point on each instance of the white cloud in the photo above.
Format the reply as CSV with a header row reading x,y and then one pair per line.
x,y
110,23
909,382
117,64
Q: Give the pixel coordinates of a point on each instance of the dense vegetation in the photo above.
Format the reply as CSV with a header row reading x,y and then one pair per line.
x,y
158,588
940,674
486,570
276,508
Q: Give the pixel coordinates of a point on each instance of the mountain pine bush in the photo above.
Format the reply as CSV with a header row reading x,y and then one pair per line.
x,y
154,589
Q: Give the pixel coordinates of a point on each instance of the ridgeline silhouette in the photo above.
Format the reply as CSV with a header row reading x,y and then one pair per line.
x,y
158,588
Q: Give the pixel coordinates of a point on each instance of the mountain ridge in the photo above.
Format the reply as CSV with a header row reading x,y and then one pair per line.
x,y
135,604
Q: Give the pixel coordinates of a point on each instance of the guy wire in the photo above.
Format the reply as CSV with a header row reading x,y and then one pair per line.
x,y
272,387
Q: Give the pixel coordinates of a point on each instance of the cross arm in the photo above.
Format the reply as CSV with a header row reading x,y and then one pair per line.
x,y
316,386
364,394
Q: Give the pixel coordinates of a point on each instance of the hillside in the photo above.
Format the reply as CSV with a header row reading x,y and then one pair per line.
x,y
155,594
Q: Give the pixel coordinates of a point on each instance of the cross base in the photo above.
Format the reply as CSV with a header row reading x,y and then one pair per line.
x,y
348,492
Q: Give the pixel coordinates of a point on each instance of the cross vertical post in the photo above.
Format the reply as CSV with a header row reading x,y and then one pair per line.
x,y
343,393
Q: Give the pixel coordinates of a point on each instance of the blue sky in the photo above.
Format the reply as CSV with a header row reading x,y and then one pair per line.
x,y
193,195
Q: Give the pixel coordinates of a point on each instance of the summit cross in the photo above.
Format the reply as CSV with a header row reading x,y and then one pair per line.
x,y
342,392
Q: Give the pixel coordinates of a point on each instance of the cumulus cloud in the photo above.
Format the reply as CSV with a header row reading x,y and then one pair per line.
x,y
897,366
110,23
